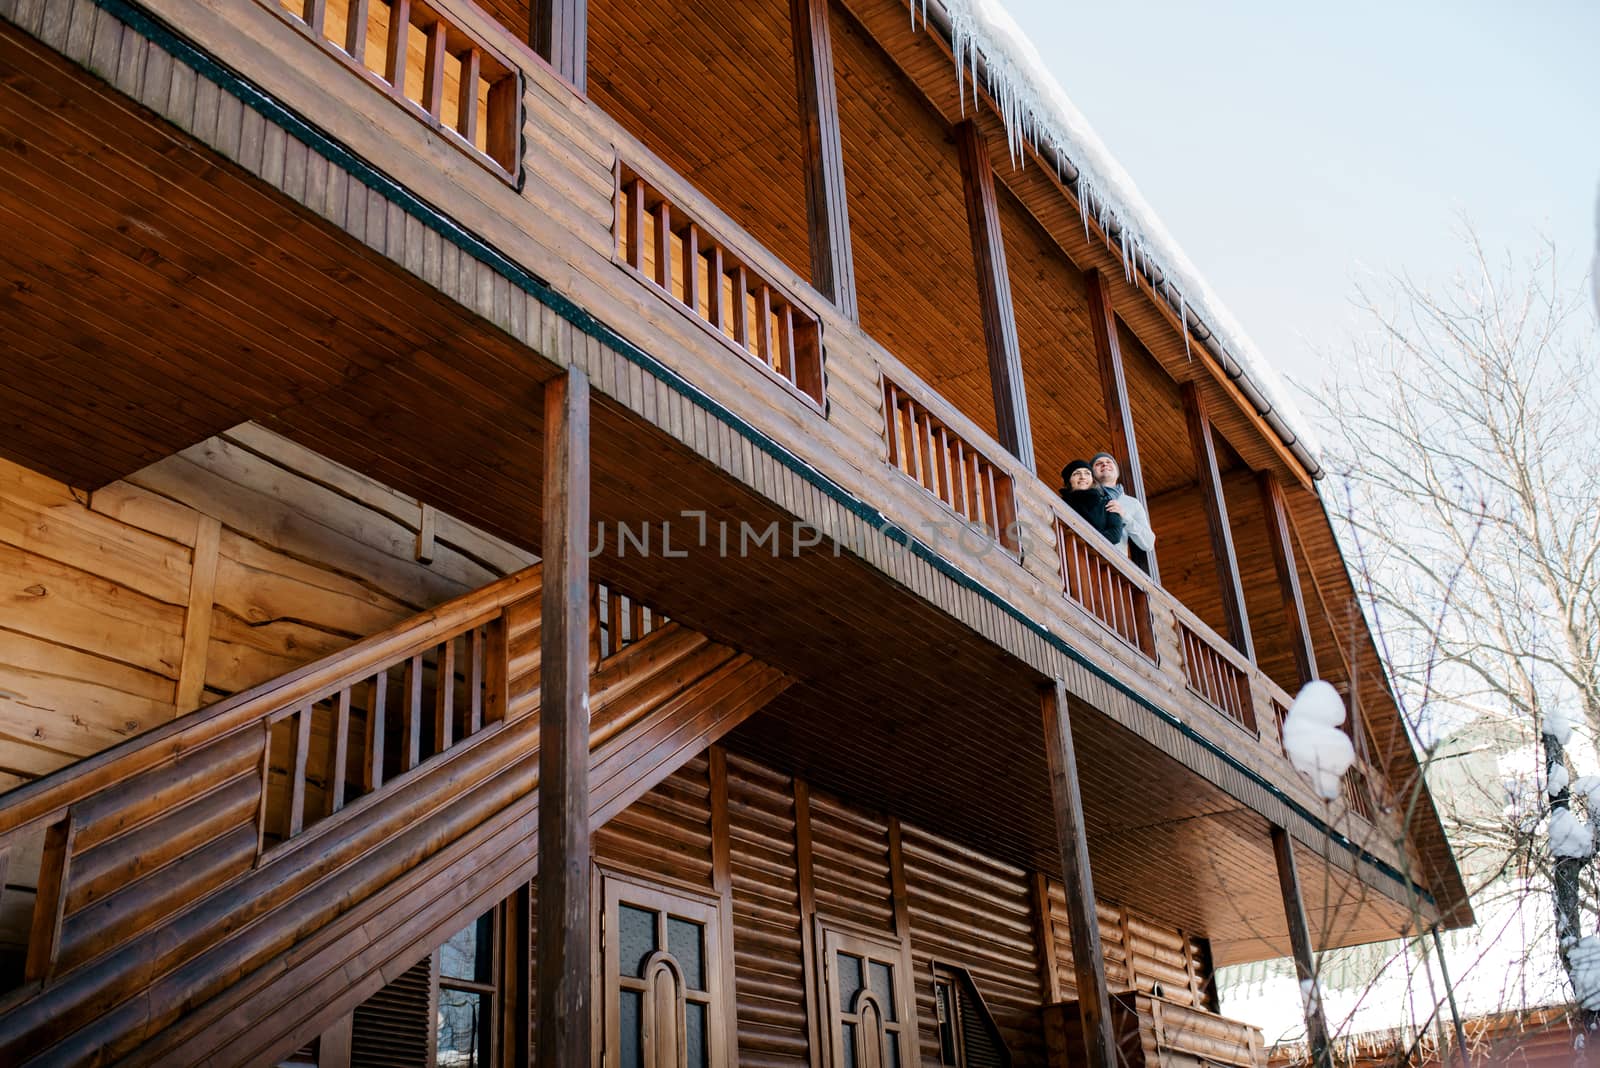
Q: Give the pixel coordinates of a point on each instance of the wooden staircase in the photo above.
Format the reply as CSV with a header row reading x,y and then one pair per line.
x,y
225,887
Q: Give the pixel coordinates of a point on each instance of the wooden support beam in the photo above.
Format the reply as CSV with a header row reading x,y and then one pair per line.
x,y
1094,1002
994,295
1300,941
564,969
1209,480
560,33
833,271
1276,511
1124,443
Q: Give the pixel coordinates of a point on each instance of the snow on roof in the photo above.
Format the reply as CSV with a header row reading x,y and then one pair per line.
x,y
1035,109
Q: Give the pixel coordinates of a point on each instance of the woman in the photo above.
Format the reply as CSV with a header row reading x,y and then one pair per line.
x,y
1089,500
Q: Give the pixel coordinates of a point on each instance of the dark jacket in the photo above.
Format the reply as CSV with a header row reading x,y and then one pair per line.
x,y
1091,504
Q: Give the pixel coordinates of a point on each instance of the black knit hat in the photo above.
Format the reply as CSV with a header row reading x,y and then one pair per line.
x,y
1066,472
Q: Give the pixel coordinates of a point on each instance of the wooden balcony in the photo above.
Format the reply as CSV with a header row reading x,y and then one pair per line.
x,y
603,225
1154,1032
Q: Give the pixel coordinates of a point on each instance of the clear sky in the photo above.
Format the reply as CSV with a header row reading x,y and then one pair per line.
x,y
1293,148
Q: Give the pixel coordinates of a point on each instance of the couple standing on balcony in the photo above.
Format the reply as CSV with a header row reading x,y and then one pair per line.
x,y
1091,489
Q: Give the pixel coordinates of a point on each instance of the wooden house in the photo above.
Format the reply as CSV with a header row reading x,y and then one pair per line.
x,y
532,533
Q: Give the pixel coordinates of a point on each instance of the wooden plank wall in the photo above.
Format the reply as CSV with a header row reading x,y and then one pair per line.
x,y
961,907
201,575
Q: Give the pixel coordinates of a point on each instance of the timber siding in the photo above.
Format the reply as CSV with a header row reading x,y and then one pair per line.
x,y
204,574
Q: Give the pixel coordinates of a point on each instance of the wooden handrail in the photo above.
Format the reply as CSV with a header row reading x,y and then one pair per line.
x,y
48,798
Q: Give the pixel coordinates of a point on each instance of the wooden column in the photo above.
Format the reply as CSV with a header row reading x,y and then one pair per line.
x,y
994,295
1300,941
1124,445
564,848
833,271
1094,1002
1294,606
1210,482
560,33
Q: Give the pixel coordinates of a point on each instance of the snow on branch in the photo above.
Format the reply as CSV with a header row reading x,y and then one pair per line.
x,y
1316,746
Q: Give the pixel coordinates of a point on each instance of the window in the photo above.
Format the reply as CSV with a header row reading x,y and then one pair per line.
x,y
662,1004
947,1012
967,1032
467,990
866,998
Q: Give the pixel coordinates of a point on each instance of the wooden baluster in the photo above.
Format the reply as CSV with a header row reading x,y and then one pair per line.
x,y
467,96
980,511
993,500
946,461
716,307
433,71
49,900
297,770
741,314
963,487
918,442
444,693
617,616
691,268
636,620
497,672
635,224
338,751
475,680
394,65
663,216
786,346
355,32
891,421
313,12
377,695
411,731
934,429
764,327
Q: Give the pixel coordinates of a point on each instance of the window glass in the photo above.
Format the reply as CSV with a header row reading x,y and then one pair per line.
x,y
694,1023
894,1049
463,1015
849,1045
684,942
849,981
629,1010
881,979
469,954
636,939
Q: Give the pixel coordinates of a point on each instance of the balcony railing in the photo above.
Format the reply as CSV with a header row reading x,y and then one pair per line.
x,y
924,447
1104,587
1216,676
437,71
738,303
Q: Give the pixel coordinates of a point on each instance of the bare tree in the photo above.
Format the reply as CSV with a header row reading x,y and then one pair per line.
x,y
1466,437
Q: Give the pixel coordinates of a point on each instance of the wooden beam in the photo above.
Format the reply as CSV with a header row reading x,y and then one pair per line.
x,y
994,295
560,33
564,977
1209,480
1124,443
1094,1002
833,271
1300,942
1276,511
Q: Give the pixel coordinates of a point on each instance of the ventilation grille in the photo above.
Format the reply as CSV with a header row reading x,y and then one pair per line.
x,y
392,1026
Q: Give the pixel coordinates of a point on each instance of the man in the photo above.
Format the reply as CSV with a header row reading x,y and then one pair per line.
x,y
1135,520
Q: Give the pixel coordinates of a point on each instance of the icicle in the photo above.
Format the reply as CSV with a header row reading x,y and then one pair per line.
x,y
1183,323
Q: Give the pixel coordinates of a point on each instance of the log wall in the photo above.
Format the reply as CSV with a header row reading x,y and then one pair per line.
x,y
959,907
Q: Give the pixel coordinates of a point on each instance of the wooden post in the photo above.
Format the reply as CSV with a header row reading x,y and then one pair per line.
x,y
1119,414
564,847
560,33
994,295
1210,482
1094,1002
833,271
1300,940
1283,562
